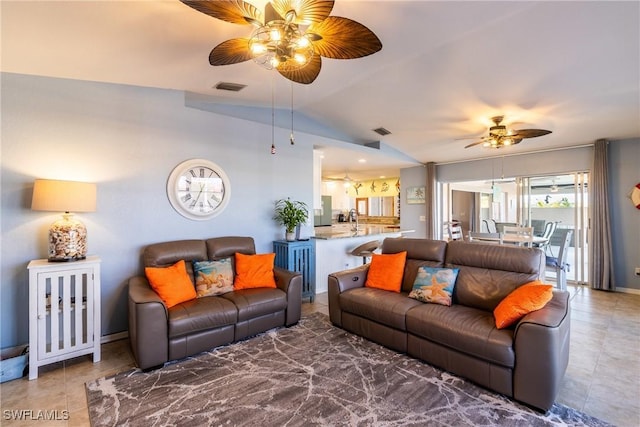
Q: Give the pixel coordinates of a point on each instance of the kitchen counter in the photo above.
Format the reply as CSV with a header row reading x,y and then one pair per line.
x,y
344,230
333,245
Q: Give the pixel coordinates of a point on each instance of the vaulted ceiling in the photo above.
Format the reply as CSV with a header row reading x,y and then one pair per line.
x,y
446,67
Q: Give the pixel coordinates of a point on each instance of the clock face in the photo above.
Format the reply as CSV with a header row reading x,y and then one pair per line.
x,y
198,189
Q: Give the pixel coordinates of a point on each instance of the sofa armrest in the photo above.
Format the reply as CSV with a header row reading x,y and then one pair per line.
x,y
291,283
342,281
148,324
541,344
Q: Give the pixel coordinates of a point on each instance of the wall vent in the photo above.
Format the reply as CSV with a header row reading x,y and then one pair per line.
x,y
381,131
232,87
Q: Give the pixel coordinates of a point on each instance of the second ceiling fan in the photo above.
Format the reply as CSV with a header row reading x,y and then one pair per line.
x,y
500,136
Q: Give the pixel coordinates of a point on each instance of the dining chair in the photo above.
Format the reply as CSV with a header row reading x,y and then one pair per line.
x,y
490,225
549,229
521,233
559,263
454,231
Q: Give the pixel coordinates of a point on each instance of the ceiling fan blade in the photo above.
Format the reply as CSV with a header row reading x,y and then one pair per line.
x,y
515,141
230,52
531,133
306,74
307,11
234,11
474,144
343,38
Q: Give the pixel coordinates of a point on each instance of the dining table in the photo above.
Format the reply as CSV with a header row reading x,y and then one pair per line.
x,y
514,239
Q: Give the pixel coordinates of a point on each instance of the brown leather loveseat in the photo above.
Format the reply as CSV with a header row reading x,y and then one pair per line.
x,y
158,334
525,362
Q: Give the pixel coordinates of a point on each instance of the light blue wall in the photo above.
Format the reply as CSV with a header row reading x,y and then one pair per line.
x,y
127,140
624,174
410,214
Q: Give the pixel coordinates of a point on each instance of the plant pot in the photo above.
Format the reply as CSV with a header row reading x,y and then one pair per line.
x,y
290,237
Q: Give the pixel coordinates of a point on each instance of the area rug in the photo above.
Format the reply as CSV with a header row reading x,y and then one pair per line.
x,y
312,374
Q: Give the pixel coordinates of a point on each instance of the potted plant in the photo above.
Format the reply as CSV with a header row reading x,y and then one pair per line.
x,y
291,214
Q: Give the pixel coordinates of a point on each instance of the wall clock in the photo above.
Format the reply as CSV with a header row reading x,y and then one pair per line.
x,y
198,189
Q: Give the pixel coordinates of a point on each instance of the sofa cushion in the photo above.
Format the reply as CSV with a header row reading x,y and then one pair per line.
x,y
213,277
220,247
201,314
464,329
254,271
168,253
252,303
423,249
525,299
488,273
172,283
386,271
384,307
434,285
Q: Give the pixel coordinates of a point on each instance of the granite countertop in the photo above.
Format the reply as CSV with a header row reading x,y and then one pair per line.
x,y
344,231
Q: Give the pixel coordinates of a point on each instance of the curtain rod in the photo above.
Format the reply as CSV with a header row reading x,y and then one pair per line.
x,y
514,154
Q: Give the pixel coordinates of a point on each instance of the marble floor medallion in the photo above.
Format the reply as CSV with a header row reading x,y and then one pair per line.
x,y
306,375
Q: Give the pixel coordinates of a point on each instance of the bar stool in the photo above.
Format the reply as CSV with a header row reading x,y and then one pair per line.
x,y
365,250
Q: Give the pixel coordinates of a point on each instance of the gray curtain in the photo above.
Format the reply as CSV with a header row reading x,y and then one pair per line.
x,y
600,258
430,197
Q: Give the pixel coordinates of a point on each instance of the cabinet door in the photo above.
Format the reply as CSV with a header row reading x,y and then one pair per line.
x,y
65,311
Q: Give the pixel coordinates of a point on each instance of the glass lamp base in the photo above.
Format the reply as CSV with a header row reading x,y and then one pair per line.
x,y
67,240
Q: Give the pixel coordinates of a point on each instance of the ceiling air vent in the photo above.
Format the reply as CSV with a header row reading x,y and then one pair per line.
x,y
381,131
232,87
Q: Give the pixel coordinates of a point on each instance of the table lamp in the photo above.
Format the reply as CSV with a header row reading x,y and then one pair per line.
x,y
68,235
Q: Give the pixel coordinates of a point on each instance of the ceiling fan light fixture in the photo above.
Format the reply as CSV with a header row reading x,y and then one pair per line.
x,y
280,45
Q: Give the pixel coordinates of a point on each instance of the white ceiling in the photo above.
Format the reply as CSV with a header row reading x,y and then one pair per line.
x,y
445,68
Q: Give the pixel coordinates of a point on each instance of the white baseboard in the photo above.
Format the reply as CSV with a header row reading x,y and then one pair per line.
x,y
114,337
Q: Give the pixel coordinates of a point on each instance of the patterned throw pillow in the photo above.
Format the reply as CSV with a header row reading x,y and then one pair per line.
x,y
213,277
434,285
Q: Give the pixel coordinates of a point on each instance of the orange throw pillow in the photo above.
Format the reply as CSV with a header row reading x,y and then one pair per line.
x,y
386,271
172,283
521,301
254,271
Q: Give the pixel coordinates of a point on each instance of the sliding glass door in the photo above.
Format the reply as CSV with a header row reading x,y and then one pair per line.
x,y
532,201
562,199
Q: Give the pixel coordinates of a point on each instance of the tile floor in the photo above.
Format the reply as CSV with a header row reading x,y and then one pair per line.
x,y
603,377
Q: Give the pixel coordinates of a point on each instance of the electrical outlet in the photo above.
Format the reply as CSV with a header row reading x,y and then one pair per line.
x,y
637,271
423,218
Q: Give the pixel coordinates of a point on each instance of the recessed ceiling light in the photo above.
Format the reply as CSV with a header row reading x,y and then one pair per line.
x,y
362,160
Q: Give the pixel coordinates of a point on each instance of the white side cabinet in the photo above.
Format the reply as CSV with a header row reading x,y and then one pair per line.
x,y
64,311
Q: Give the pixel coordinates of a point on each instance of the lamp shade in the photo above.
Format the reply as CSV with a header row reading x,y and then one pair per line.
x,y
63,196
67,236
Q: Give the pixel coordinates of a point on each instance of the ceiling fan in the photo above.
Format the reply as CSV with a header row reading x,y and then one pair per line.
x,y
290,36
499,136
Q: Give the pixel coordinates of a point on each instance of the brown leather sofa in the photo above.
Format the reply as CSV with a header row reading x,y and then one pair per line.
x,y
525,362
158,334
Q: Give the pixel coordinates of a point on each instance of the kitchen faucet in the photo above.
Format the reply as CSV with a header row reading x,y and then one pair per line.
x,y
353,214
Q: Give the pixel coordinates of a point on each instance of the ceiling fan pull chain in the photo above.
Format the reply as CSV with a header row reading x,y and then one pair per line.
x,y
273,118
291,138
